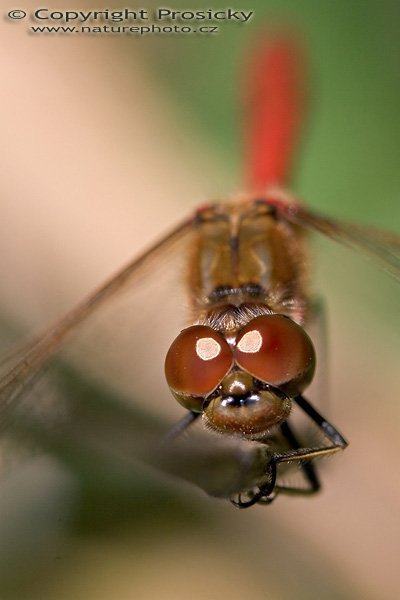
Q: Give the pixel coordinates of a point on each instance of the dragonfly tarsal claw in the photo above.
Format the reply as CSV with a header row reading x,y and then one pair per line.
x,y
259,497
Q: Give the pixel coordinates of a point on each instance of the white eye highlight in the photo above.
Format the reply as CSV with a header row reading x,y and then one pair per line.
x,y
207,348
251,342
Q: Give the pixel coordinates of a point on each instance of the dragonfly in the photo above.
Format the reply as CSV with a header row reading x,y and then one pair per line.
x,y
246,358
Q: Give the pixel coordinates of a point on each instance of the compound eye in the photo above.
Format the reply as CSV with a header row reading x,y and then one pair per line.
x,y
197,361
276,350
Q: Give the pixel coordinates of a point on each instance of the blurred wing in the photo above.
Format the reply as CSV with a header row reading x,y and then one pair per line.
x,y
28,361
91,391
382,246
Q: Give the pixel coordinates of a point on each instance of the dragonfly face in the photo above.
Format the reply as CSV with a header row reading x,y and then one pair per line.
x,y
241,381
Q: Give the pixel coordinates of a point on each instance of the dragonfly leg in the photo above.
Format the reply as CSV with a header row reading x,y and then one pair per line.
x,y
179,427
267,492
309,470
328,429
338,443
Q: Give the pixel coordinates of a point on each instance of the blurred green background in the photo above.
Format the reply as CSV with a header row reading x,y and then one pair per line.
x,y
351,149
109,140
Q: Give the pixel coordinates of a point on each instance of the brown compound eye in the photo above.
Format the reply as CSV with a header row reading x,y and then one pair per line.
x,y
276,350
197,361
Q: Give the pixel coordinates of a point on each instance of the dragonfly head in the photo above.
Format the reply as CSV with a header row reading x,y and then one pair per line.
x,y
244,385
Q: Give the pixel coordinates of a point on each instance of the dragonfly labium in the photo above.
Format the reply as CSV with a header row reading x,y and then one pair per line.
x,y
246,359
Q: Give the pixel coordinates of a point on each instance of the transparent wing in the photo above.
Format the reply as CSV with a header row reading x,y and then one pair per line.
x,y
382,247
35,399
91,391
29,361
